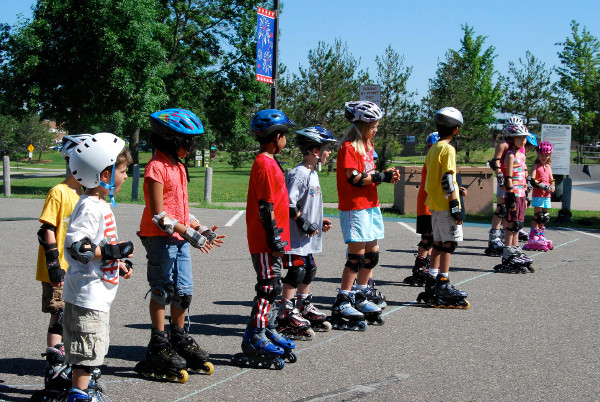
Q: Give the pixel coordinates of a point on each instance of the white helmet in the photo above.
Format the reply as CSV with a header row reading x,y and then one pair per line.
x,y
448,117
362,111
516,130
514,119
94,155
70,142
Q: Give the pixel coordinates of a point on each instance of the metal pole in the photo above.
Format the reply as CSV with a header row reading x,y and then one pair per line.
x,y
566,194
6,170
275,51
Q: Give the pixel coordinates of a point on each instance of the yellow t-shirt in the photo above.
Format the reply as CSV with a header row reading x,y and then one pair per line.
x,y
440,159
60,201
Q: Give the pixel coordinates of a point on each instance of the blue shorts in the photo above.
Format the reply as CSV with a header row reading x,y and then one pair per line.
x,y
541,202
361,225
499,191
169,264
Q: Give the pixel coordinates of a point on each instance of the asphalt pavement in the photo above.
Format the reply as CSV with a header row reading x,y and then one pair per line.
x,y
525,337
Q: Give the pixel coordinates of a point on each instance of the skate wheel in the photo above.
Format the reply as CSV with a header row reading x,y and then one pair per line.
x,y
464,304
279,364
362,326
183,376
292,357
380,320
208,368
310,334
498,268
531,269
326,326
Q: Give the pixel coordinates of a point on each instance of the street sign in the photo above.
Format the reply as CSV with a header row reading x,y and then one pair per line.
x,y
559,135
370,93
30,148
213,152
265,29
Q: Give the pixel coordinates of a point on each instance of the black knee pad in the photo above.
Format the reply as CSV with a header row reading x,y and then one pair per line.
x,y
512,226
268,289
501,211
295,276
56,329
374,257
311,270
437,247
449,247
183,302
355,266
426,242
520,224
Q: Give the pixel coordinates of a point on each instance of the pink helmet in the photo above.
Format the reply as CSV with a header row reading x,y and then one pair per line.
x,y
544,148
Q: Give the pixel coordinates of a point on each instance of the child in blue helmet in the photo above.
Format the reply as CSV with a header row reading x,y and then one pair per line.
x,y
167,230
267,224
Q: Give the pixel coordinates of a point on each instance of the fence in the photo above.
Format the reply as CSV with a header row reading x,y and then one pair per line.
x,y
589,152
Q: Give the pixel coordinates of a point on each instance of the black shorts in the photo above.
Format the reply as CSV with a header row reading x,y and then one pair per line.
x,y
424,224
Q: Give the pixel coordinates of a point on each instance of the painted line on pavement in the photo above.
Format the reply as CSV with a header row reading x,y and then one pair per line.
x,y
235,218
408,227
580,231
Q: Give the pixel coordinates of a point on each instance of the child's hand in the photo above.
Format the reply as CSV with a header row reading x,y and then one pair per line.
x,y
217,240
396,176
462,191
326,225
125,269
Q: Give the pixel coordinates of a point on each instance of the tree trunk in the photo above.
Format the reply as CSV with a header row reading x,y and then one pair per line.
x,y
134,145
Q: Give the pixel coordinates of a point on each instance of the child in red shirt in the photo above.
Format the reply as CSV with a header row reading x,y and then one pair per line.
x,y
267,224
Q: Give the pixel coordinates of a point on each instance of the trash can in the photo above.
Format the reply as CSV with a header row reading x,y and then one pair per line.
x,y
479,182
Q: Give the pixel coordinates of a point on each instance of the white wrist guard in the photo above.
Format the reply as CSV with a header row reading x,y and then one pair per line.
x,y
168,225
194,238
193,218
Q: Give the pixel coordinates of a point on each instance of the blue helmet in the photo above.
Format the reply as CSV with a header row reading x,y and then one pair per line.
x,y
532,140
176,121
268,121
432,138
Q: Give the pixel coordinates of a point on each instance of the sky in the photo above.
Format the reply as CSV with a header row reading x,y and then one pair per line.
x,y
420,30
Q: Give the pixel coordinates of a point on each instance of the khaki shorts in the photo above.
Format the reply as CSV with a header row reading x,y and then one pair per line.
x,y
85,335
52,301
444,227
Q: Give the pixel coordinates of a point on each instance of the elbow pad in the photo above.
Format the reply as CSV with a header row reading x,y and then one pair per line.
x,y
168,225
83,250
448,183
42,236
494,164
356,173
382,176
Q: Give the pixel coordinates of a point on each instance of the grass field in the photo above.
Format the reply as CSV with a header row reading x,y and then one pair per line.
x,y
230,186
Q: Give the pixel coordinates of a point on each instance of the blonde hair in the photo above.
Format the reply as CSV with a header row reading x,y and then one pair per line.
x,y
355,136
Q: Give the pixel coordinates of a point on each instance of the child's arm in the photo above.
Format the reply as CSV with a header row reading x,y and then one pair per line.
x,y
211,236
452,193
267,216
495,163
551,176
296,213
47,239
391,175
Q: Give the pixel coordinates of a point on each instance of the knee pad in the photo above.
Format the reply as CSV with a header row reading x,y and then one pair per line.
x,y
500,210
449,247
56,328
87,369
163,298
426,242
520,224
183,302
311,270
268,289
355,266
295,276
539,217
374,257
512,226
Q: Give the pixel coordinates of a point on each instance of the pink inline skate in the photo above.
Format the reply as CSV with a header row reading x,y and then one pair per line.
x,y
535,241
543,238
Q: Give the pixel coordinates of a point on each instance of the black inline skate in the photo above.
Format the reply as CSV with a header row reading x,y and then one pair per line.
x,y
258,351
513,260
162,361
523,235
345,316
375,295
290,322
186,347
318,319
427,296
419,272
57,380
371,311
446,296
495,243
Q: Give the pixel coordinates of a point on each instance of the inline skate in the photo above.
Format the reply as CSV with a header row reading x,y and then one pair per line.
x,y
318,319
445,295
427,296
371,311
523,236
374,295
542,237
92,394
290,322
162,361
57,380
535,241
186,347
419,272
258,351
514,261
345,316
283,342
495,243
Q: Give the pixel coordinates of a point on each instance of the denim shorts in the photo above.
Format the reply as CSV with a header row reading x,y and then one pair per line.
x,y
541,202
499,191
361,225
169,264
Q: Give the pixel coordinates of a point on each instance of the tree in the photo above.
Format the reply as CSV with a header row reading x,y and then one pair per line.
x,y
8,128
528,90
399,111
316,96
31,130
465,81
579,77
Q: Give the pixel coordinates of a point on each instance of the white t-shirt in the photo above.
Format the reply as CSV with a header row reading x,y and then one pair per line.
x,y
304,191
92,285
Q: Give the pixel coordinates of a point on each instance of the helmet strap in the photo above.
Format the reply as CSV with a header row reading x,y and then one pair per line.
x,y
111,187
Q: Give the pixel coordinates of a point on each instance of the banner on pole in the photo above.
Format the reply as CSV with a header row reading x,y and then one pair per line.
x,y
265,26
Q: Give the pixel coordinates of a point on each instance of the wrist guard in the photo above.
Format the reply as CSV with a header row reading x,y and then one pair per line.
x,y
55,272
455,210
274,238
510,199
382,176
359,182
206,232
500,179
194,237
116,251
306,226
